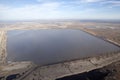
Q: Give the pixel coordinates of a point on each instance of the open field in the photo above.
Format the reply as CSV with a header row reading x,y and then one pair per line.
x,y
111,32
108,31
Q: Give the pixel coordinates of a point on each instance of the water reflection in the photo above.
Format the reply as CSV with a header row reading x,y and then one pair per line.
x,y
53,45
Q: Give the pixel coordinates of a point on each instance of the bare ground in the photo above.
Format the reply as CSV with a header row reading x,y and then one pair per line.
x,y
109,72
103,30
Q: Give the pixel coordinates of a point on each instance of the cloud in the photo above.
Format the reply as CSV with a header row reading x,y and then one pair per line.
x,y
102,3
46,1
91,0
42,0
112,2
55,9
39,11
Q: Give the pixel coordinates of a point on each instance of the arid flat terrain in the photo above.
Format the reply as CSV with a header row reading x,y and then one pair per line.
x,y
108,31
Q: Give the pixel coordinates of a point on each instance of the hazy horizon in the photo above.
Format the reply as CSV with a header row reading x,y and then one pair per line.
x,y
11,10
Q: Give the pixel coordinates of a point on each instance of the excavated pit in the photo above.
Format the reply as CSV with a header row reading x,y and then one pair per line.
x,y
51,46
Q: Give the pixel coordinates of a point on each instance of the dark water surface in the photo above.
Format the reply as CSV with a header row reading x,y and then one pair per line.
x,y
54,45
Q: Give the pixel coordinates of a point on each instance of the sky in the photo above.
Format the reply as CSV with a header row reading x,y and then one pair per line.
x,y
59,9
